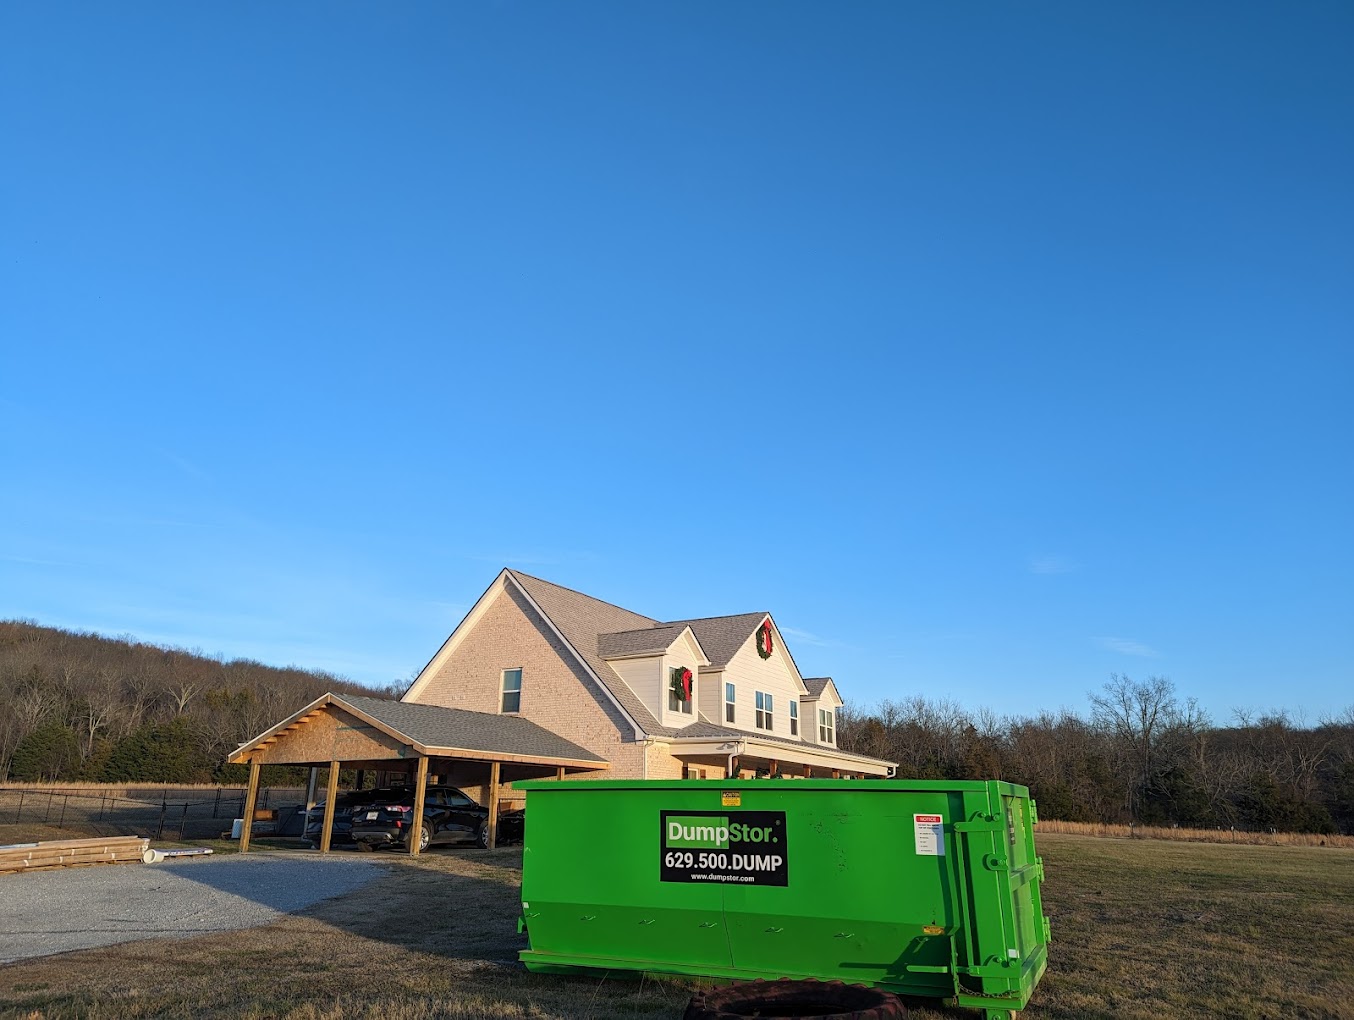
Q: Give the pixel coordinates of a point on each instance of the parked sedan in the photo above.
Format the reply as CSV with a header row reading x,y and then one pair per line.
x,y
449,816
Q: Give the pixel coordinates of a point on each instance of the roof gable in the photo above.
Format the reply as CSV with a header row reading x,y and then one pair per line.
x,y
819,684
432,729
722,636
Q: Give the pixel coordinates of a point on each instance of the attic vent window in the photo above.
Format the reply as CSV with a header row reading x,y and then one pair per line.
x,y
512,690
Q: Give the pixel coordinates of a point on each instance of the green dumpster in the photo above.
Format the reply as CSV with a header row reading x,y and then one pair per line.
x,y
921,888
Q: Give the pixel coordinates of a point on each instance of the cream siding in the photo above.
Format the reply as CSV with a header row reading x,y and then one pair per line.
x,y
808,713
683,652
643,676
750,673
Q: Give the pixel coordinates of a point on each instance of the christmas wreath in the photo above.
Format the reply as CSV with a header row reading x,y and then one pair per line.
x,y
681,683
764,640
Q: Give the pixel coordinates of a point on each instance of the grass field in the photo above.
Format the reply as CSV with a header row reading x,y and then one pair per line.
x,y
1142,929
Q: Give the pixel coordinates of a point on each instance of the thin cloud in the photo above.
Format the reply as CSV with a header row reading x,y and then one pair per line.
x,y
1051,565
804,637
186,466
1126,647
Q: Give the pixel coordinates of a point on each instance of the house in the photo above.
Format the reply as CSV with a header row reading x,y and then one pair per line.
x,y
709,698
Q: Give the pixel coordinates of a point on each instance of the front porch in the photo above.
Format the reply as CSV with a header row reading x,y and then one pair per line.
x,y
747,756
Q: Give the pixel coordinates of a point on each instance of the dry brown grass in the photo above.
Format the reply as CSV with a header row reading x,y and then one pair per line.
x,y
1142,929
1195,835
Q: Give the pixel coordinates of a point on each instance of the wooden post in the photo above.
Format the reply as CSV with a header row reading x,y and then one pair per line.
x,y
420,787
330,795
251,798
361,779
493,805
559,773
775,769
310,798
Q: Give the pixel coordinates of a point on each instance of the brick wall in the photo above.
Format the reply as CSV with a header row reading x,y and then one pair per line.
x,y
557,692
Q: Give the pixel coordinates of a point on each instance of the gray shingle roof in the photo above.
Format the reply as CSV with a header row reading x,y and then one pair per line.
x,y
650,640
816,684
580,618
721,636
433,726
597,629
708,730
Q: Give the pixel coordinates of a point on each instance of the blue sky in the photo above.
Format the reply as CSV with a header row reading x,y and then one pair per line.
x,y
993,349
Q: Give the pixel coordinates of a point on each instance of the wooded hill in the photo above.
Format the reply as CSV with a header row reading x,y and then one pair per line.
x,y
83,707
76,706
1143,756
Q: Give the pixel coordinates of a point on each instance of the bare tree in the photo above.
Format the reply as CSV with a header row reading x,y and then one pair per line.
x,y
1137,714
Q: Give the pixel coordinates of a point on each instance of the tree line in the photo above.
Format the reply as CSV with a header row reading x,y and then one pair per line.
x,y
1142,755
83,707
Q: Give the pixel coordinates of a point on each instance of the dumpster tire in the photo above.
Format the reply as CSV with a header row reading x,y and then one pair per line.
x,y
777,1000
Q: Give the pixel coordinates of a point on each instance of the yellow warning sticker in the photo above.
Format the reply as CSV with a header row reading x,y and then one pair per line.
x,y
932,929
731,798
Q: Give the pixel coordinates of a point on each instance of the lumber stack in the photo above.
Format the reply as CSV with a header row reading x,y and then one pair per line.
x,y
67,853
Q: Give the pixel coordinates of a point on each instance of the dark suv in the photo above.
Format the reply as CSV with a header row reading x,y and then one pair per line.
x,y
449,816
345,804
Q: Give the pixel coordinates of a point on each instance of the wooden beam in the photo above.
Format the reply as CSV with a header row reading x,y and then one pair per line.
x,y
420,790
251,798
331,795
559,773
493,804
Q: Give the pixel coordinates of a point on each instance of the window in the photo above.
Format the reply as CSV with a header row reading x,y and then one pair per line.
x,y
765,720
824,726
512,690
676,704
794,718
728,702
694,773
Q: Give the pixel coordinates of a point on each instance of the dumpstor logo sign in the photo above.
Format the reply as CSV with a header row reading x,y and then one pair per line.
x,y
724,847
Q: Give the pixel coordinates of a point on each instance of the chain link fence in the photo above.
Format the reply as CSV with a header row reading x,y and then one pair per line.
x,y
159,812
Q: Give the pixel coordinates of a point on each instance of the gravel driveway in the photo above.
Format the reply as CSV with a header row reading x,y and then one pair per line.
x,y
78,908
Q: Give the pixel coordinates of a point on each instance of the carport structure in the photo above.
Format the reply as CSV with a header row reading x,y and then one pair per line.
x,y
466,749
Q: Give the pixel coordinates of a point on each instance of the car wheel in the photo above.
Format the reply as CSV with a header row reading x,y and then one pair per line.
x,y
425,836
482,835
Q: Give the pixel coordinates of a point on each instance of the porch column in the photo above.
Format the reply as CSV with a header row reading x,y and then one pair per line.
x,y
251,798
559,773
331,795
420,787
493,804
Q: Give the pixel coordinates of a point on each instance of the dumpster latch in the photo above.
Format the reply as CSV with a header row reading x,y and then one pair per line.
x,y
994,863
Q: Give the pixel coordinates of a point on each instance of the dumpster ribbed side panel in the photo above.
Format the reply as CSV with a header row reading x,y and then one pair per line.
x,y
922,888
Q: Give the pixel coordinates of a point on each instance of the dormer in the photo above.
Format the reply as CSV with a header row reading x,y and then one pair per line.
x,y
819,710
655,662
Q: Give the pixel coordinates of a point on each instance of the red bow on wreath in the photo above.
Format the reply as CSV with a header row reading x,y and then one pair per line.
x,y
681,683
764,640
